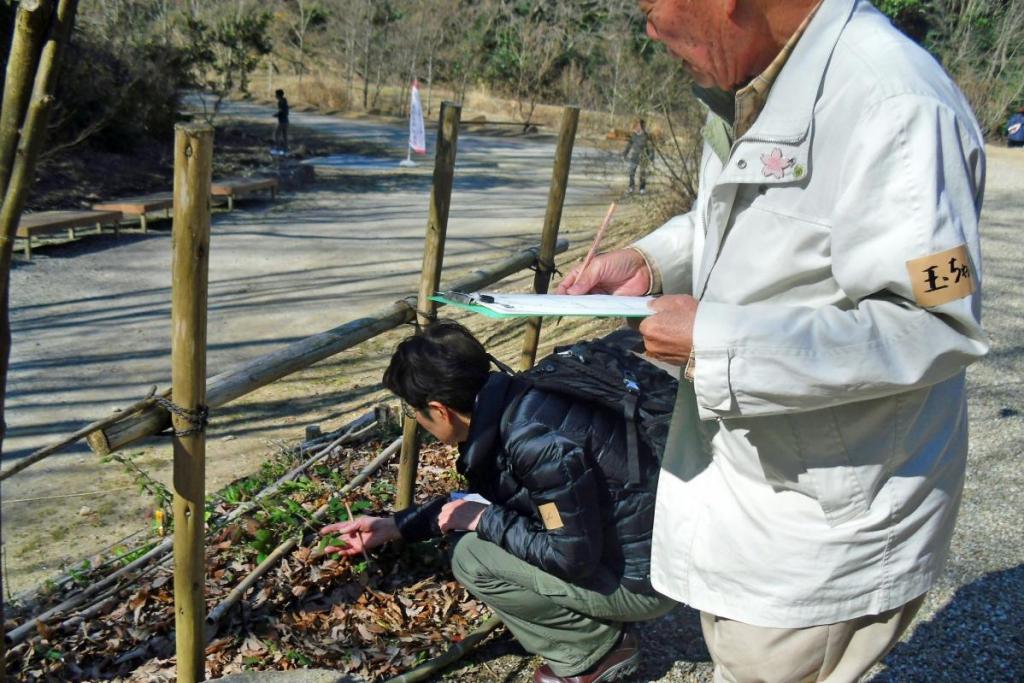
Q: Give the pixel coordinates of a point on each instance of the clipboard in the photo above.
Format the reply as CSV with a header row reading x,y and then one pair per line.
x,y
499,305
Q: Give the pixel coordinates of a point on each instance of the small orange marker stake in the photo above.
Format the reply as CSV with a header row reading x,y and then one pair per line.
x,y
159,519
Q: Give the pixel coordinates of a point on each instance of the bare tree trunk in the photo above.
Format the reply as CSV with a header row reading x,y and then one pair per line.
x,y
15,186
366,60
31,24
350,59
430,79
615,81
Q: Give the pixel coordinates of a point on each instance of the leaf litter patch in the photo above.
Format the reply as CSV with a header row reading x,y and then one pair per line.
x,y
372,617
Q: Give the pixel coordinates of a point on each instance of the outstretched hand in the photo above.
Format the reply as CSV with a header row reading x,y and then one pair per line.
x,y
622,271
361,534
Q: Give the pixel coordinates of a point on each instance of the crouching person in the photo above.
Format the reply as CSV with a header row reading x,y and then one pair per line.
x,y
562,552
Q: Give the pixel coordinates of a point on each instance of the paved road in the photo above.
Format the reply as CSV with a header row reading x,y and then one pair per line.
x,y
91,320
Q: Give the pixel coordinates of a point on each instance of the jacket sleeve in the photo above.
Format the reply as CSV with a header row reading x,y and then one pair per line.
x,y
563,490
669,252
419,522
911,188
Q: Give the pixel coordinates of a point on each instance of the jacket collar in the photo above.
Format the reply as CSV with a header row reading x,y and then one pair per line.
x,y
477,453
776,149
787,113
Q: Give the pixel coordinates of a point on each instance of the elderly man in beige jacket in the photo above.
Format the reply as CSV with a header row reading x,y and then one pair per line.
x,y
824,298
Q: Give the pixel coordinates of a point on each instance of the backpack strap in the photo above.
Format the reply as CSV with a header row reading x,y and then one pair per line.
x,y
629,404
501,366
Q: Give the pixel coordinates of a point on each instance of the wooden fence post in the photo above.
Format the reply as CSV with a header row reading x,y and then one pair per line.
x,y
552,220
430,277
193,158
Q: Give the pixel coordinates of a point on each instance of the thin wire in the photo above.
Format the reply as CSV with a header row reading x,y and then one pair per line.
x,y
66,495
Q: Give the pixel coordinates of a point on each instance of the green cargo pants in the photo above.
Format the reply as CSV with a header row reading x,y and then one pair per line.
x,y
571,627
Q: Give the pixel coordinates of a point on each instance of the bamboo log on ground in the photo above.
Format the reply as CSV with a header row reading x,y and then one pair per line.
x,y
20,633
227,386
288,545
193,168
549,235
430,278
99,603
28,628
355,430
30,599
456,652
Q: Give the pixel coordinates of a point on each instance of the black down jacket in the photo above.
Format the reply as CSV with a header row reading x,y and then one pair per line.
x,y
530,452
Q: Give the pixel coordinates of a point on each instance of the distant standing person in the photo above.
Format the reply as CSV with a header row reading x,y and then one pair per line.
x,y
1015,130
281,132
639,153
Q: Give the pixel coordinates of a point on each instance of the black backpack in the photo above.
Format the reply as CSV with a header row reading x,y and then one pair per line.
x,y
606,372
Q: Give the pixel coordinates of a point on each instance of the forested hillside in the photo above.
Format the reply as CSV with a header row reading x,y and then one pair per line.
x,y
131,57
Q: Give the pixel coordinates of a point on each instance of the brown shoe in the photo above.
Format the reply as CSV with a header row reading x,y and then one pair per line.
x,y
616,665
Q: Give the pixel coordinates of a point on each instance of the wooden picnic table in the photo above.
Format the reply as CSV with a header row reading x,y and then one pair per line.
x,y
139,206
46,222
239,187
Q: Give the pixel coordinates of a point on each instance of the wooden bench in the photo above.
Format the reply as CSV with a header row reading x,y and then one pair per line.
x,y
139,206
47,222
233,188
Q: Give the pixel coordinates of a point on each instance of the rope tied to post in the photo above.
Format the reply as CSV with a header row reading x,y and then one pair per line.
x,y
416,312
542,266
198,418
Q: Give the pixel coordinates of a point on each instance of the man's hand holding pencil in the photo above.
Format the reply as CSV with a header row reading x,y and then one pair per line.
x,y
622,271
668,333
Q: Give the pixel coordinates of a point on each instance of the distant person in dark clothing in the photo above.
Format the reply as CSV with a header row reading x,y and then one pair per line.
x,y
1015,130
281,132
562,550
639,153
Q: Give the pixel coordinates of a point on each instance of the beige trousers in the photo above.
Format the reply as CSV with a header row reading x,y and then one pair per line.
x,y
833,653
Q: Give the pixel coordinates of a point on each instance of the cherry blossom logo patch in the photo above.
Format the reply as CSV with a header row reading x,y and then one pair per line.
x,y
775,165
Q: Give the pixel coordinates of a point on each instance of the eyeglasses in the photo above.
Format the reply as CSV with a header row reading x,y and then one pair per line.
x,y
408,411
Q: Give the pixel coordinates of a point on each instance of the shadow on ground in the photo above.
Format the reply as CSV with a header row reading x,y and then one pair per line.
x,y
981,629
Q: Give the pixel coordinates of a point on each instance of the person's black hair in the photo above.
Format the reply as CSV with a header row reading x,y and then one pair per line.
x,y
444,363
279,93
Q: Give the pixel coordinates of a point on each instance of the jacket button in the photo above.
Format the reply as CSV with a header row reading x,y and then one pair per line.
x,y
741,164
761,189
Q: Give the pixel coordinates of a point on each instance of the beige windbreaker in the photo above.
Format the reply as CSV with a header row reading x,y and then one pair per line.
x,y
816,463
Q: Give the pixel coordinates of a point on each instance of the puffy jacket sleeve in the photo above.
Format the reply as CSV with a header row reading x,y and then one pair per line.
x,y
911,187
419,522
562,488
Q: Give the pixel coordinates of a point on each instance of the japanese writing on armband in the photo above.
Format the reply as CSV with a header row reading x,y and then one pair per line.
x,y
943,277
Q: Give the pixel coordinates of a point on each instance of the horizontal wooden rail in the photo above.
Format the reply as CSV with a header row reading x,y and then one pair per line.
x,y
259,372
